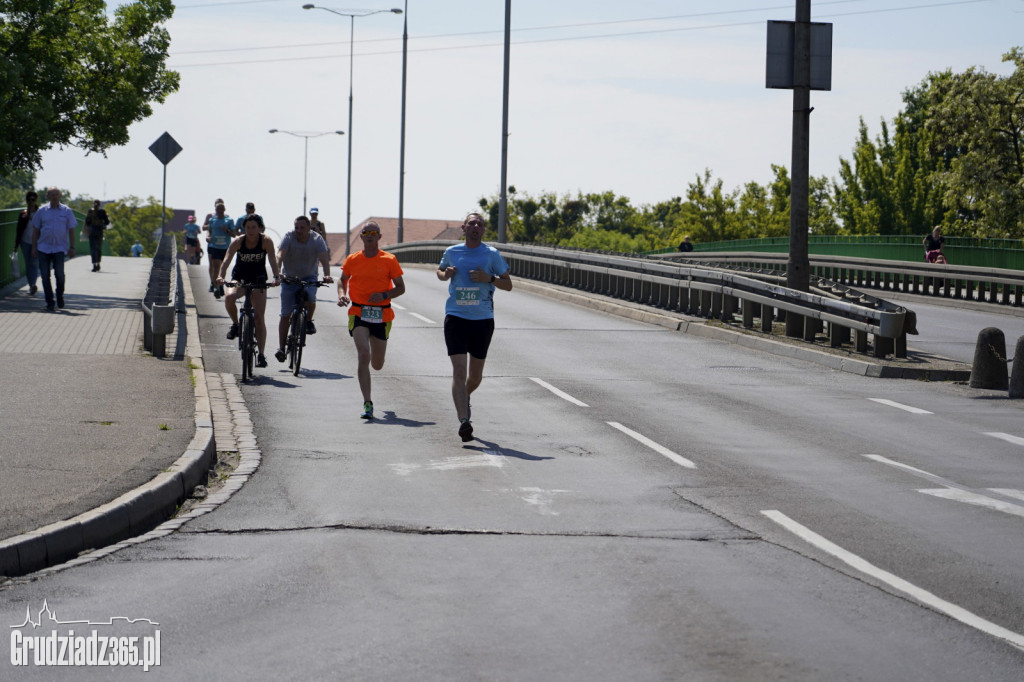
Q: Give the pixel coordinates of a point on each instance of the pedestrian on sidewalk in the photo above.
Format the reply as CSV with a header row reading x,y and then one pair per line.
x,y
370,278
23,240
53,238
137,249
96,221
473,270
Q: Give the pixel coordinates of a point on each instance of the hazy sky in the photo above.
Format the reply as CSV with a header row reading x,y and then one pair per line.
x,y
635,97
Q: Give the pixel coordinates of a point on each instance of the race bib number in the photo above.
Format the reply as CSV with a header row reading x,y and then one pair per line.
x,y
372,314
467,295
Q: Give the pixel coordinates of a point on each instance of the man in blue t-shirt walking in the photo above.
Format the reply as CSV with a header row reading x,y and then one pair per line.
x,y
473,271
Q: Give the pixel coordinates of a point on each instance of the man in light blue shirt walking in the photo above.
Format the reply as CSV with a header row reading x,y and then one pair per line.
x,y
53,238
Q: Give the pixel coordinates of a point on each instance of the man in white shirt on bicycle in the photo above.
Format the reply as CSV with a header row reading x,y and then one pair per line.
x,y
299,253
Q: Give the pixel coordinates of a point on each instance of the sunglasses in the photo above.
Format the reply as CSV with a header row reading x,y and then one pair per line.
x,y
371,234
475,223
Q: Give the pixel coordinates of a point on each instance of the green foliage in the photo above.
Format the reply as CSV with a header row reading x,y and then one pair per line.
x,y
71,76
130,219
981,116
13,187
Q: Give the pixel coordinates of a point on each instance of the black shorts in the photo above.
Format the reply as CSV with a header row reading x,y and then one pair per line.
x,y
468,336
215,253
189,241
380,330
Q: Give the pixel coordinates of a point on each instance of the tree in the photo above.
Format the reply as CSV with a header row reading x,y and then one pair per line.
x,y
130,219
70,76
13,188
981,117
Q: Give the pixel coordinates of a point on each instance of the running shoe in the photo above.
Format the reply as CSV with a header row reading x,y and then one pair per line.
x,y
219,292
32,289
466,431
233,332
281,355
367,410
261,360
211,288
310,327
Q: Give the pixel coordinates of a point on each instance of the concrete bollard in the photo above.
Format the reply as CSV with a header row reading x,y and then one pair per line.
x,y
989,369
1017,374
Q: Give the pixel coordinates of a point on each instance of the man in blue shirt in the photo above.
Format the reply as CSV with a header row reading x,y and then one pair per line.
x,y
473,270
53,237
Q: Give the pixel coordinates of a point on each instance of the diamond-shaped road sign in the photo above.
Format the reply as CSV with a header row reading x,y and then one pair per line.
x,y
165,148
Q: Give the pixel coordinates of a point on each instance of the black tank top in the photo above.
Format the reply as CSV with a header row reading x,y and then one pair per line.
x,y
250,264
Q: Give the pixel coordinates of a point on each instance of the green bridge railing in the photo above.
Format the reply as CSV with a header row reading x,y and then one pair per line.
x,y
8,229
985,253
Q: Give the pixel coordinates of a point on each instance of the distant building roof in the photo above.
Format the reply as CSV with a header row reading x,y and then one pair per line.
x,y
413,230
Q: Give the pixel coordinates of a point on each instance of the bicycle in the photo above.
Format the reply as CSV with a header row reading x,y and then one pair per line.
x,y
296,340
247,327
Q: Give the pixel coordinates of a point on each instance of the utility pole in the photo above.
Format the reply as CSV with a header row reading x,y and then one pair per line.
x,y
503,201
798,268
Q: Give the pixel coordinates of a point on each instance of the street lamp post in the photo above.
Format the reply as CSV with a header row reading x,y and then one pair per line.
x,y
305,158
352,14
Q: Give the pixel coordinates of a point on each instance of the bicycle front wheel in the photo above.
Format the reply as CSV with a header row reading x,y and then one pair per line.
x,y
298,332
248,346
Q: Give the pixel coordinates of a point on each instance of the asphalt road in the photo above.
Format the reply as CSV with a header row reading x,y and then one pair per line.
x,y
639,504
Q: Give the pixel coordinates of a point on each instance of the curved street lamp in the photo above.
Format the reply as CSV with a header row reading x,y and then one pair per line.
x,y
351,14
305,162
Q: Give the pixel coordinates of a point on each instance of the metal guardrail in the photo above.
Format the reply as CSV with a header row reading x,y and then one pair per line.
x,y
159,307
703,290
969,283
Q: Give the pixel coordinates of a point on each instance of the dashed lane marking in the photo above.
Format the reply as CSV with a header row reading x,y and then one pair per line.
x,y
561,394
423,319
678,459
901,406
1016,440
897,583
960,493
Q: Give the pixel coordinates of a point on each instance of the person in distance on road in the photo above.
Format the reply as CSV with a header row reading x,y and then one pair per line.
x,y
370,278
473,271
222,230
254,249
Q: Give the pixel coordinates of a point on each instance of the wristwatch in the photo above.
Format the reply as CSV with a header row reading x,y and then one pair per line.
x,y
493,278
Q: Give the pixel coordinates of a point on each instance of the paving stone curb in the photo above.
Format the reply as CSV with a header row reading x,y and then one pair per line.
x,y
140,510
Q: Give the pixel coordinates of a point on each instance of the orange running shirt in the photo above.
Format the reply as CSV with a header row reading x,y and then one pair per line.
x,y
368,276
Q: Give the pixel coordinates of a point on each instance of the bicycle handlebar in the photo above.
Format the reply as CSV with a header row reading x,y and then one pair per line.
x,y
248,285
303,282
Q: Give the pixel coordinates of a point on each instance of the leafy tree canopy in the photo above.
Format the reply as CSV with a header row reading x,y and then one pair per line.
x,y
69,75
131,219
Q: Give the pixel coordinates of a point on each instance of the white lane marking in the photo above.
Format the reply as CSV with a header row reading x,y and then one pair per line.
x,y
921,595
423,319
977,499
396,306
913,470
561,394
1006,492
893,403
960,493
678,459
488,459
1016,440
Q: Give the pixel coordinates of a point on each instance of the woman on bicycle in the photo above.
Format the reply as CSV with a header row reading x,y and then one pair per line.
x,y
254,249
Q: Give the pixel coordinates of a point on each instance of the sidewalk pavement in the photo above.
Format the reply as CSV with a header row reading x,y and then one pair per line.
x,y
101,440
